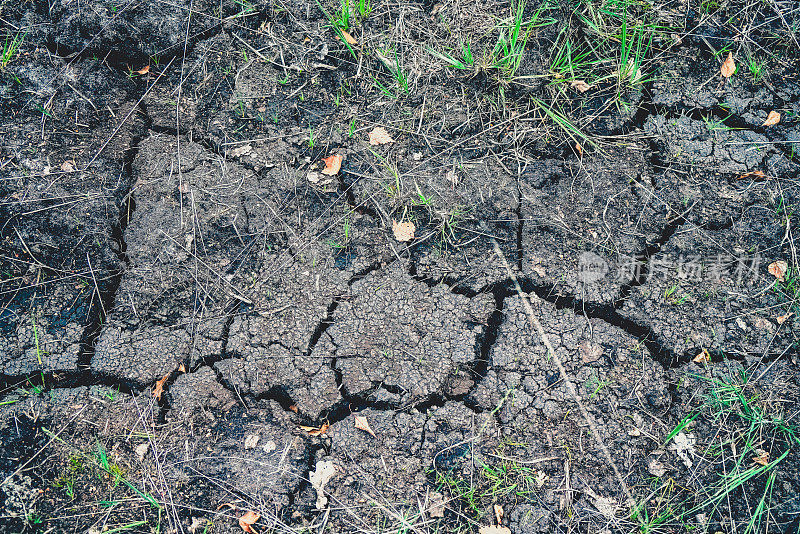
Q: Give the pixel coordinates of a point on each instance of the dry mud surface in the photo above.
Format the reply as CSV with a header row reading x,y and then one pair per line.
x,y
183,294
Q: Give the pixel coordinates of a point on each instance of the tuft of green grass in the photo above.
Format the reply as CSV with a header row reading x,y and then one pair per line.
x,y
635,43
760,438
10,49
757,68
341,17
510,47
571,62
336,24
462,61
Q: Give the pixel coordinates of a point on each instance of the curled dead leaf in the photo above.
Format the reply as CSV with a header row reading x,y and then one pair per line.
x,y
762,457
248,520
403,231
315,431
158,390
363,424
320,476
772,119
756,176
68,166
349,38
379,136
579,149
580,86
778,269
728,67
182,368
144,70
783,318
498,513
703,357
332,164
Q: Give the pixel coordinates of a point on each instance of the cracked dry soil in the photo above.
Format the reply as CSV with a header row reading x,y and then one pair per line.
x,y
158,229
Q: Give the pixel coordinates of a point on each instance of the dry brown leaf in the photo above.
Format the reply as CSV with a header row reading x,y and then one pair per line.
x,y
182,368
332,164
349,38
68,166
143,70
293,408
729,67
494,529
783,318
772,119
226,505
753,175
363,424
403,231
778,269
580,86
703,357
379,136
762,457
314,431
579,148
158,390
247,521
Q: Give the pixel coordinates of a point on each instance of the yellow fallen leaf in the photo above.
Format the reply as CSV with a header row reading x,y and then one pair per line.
x,y
332,164
762,457
363,424
772,119
247,521
403,231
728,67
703,357
580,86
349,38
778,269
379,136
314,431
158,390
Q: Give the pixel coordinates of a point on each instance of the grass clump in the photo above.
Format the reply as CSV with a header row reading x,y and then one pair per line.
x,y
749,439
10,49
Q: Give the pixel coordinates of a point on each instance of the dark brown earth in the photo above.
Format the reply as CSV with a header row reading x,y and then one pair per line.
x,y
168,229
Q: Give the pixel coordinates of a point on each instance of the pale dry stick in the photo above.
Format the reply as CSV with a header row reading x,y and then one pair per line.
x,y
96,286
537,325
526,462
178,106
